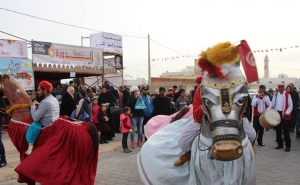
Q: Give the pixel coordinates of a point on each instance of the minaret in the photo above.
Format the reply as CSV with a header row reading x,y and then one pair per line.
x,y
266,67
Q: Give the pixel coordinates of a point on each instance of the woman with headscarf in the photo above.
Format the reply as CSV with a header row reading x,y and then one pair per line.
x,y
68,104
107,98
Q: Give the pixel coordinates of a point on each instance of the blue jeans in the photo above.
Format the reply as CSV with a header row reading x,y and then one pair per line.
x,y
136,122
2,149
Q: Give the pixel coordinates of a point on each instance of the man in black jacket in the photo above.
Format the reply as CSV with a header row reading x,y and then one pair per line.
x,y
295,98
125,95
162,104
176,95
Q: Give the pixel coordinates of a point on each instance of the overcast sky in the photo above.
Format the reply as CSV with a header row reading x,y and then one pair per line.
x,y
184,26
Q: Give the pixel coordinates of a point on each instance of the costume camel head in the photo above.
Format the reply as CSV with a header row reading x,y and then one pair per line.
x,y
224,100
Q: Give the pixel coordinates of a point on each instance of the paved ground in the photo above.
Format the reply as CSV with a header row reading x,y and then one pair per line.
x,y
273,166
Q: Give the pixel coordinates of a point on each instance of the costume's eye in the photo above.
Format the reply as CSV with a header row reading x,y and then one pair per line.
x,y
241,101
208,103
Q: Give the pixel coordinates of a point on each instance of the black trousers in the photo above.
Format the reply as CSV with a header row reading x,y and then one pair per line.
x,y
294,120
258,129
124,140
285,126
146,119
117,123
111,133
103,136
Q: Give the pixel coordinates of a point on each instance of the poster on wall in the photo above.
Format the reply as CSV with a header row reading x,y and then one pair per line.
x,y
13,48
20,70
106,40
52,53
118,62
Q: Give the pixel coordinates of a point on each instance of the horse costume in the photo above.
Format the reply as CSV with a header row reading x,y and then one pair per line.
x,y
66,152
220,150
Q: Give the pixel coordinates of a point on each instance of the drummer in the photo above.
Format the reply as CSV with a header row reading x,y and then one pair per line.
x,y
260,102
282,102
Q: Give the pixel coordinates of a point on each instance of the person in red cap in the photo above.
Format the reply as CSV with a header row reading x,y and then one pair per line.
x,y
198,81
283,104
47,113
170,94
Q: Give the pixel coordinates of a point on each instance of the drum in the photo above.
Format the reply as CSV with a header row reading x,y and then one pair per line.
x,y
269,119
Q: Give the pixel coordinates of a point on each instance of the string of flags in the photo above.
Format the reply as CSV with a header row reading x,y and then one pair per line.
x,y
277,49
196,56
175,57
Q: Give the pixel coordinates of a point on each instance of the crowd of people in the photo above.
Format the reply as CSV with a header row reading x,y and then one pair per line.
x,y
98,103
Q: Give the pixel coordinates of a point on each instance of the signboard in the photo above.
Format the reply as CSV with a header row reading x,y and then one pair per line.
x,y
106,40
46,52
13,48
20,70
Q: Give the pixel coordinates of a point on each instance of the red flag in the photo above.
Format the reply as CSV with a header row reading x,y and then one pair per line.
x,y
248,62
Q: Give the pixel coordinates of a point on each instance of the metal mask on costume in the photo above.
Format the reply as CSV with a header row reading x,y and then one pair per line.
x,y
223,102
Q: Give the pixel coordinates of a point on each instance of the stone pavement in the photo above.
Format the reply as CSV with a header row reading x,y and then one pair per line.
x,y
273,166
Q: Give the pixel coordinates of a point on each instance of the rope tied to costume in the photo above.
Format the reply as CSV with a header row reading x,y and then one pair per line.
x,y
16,107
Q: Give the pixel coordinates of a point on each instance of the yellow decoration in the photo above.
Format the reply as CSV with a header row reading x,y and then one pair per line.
x,y
15,107
221,54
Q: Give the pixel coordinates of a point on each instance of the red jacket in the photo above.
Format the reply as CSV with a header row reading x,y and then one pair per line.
x,y
125,123
197,106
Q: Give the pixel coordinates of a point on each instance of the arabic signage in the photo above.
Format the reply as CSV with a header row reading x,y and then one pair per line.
x,y
20,70
46,52
106,40
13,48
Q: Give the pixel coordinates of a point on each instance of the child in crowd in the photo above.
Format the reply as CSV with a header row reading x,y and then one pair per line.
x,y
95,111
103,123
125,127
182,100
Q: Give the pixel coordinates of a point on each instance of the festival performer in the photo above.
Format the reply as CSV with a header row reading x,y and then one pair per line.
x,y
197,114
260,102
47,113
221,152
283,104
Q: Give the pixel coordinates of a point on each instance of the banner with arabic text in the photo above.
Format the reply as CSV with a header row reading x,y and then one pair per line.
x,y
20,70
46,52
13,48
106,40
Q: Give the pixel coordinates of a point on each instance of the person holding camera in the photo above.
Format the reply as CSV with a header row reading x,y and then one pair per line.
x,y
260,103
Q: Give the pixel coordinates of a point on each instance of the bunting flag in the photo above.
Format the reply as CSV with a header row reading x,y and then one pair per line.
x,y
196,56
173,58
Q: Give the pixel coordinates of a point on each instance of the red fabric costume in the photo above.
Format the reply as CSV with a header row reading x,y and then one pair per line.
x,y
63,154
197,106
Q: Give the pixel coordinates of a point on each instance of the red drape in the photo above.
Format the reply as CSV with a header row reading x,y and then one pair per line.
x,y
63,154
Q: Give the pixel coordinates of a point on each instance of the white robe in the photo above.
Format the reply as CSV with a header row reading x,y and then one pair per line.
x,y
157,156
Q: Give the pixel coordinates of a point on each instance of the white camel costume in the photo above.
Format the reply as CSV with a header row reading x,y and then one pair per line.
x,y
221,152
